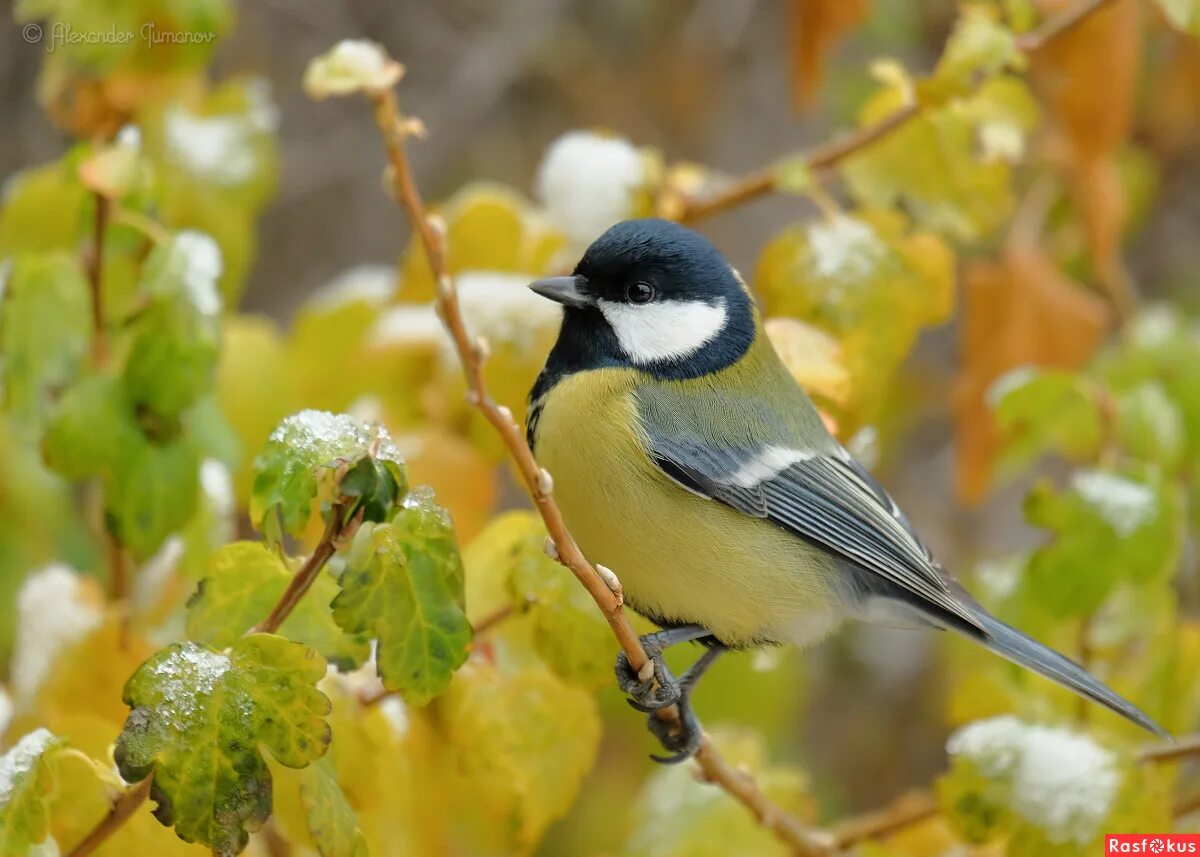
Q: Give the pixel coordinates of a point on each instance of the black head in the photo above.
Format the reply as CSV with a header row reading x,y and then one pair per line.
x,y
655,295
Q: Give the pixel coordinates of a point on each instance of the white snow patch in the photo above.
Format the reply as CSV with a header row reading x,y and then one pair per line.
x,y
844,248
130,136
200,258
372,284
52,615
217,484
587,182
188,673
1058,780
6,710
407,325
1126,505
19,761
1011,380
221,148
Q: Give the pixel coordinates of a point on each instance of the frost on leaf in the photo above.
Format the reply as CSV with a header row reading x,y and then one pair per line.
x,y
1056,780
243,582
403,584
300,456
352,65
198,720
25,779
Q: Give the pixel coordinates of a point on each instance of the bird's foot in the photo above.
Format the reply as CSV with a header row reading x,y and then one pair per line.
x,y
681,738
651,689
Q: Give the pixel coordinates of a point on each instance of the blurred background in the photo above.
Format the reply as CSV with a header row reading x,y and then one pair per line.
x,y
733,86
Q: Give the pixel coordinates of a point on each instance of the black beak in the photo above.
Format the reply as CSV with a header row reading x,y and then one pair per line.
x,y
564,290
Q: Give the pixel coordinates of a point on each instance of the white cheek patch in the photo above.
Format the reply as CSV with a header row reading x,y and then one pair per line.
x,y
663,330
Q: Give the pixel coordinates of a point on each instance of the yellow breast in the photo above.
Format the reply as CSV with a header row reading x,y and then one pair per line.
x,y
680,557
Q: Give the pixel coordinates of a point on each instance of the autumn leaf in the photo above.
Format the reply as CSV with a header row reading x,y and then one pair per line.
x,y
814,29
1019,311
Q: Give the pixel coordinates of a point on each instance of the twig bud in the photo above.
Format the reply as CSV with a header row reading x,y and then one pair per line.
x,y
646,672
545,482
411,126
482,349
551,549
505,411
610,580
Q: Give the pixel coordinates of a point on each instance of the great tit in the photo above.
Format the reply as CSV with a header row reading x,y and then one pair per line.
x,y
688,460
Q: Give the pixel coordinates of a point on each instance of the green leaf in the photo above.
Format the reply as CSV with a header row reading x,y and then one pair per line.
x,y
1150,426
45,329
569,633
298,459
1183,14
374,487
243,582
91,429
1041,411
198,720
42,209
174,355
331,820
1108,526
26,777
403,584
152,493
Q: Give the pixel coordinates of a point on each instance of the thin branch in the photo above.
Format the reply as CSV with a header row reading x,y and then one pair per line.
x,y
823,158
472,353
493,619
1171,751
903,812
95,276
762,181
303,579
1054,27
125,804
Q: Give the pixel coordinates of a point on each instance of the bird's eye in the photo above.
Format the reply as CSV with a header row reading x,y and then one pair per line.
x,y
639,293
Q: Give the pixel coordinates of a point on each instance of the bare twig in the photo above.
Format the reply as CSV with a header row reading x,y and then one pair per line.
x,y
493,619
125,804
1054,27
95,277
903,812
825,157
1171,751
472,353
762,181
304,578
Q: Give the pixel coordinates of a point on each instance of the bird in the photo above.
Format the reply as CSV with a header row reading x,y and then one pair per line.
x,y
687,459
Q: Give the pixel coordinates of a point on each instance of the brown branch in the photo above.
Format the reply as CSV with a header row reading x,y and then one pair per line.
x,y
125,804
903,812
472,353
762,181
493,619
1054,27
1171,751
303,579
95,277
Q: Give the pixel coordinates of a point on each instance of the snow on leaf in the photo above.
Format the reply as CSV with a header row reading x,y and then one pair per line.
x,y
352,65
403,584
198,719
300,453
53,612
588,182
25,779
1056,779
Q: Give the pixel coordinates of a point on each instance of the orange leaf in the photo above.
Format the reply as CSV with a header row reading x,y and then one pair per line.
x,y
814,29
1019,311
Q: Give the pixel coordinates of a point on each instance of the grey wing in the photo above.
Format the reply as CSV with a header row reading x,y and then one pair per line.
x,y
825,498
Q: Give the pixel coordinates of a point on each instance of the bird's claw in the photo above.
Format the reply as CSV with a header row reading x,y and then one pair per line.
x,y
657,692
680,737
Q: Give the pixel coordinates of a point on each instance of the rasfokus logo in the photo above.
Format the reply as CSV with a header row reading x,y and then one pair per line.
x,y
1152,843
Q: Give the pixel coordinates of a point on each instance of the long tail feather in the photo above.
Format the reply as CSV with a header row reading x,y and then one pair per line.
x,y
1021,649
